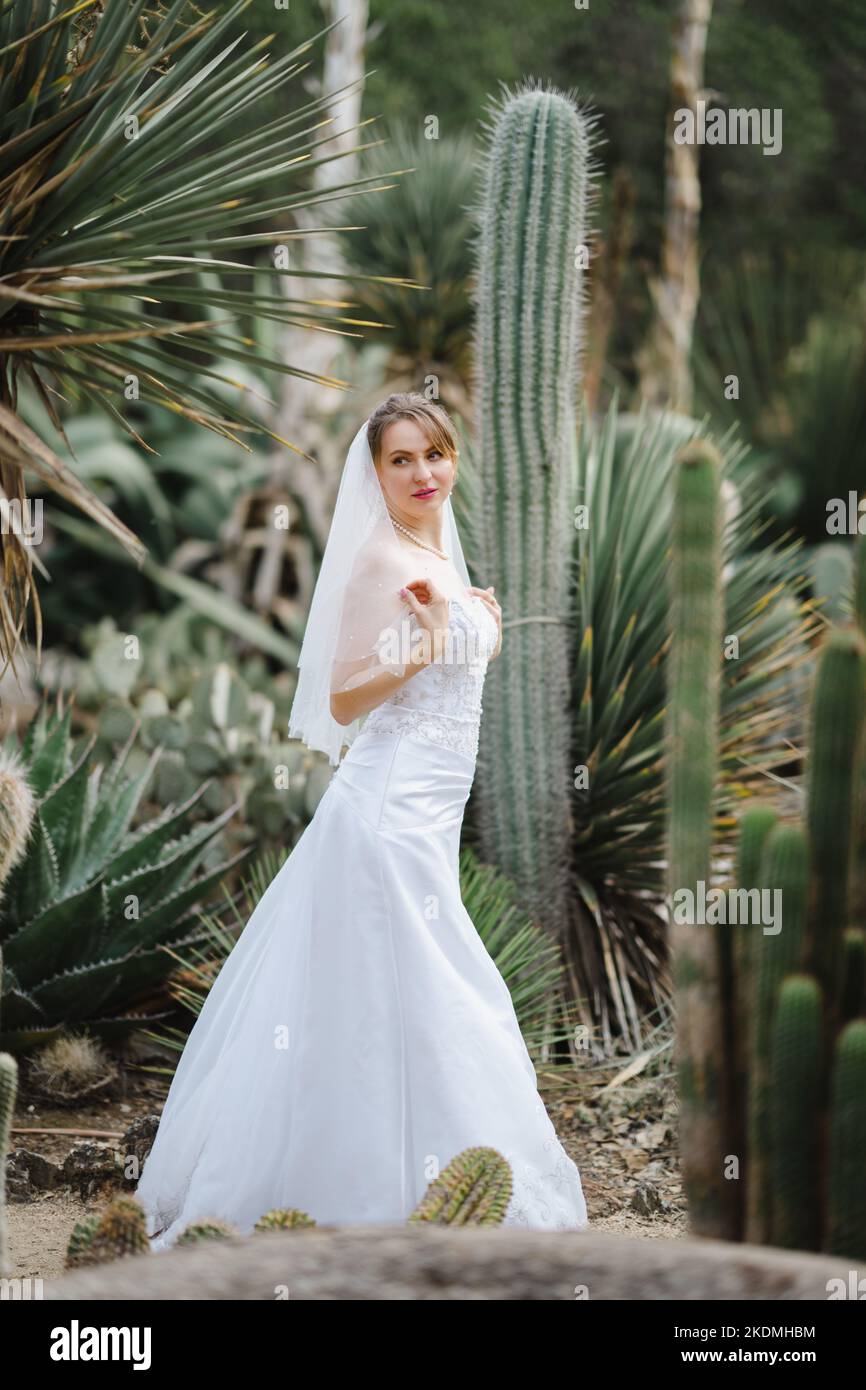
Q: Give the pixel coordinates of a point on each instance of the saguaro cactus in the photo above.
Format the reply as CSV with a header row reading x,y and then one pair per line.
x,y
531,255
694,667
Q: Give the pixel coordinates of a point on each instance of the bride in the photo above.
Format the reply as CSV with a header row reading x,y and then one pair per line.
x,y
359,1035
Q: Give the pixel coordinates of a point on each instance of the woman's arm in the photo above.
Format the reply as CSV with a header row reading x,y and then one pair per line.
x,y
431,611
347,705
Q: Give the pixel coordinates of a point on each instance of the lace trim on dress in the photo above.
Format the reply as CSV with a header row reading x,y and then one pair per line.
x,y
460,735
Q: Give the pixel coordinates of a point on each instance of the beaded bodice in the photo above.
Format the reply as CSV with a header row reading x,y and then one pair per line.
x,y
442,704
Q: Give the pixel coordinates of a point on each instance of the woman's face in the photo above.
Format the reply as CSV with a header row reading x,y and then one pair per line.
x,y
415,477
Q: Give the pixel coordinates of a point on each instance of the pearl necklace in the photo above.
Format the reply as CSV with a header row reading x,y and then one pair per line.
x,y
425,545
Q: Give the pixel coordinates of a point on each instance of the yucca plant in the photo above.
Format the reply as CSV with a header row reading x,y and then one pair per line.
x,y
527,959
613,747
423,229
88,911
135,179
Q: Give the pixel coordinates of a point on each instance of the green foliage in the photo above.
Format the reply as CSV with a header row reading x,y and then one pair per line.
x,y
793,335
473,1190
139,176
90,908
421,229
178,680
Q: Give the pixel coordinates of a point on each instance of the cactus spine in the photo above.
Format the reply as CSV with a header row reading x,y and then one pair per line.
x,y
17,808
692,757
473,1190
531,221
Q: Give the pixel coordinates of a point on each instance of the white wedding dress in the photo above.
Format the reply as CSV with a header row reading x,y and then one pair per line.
x,y
359,1035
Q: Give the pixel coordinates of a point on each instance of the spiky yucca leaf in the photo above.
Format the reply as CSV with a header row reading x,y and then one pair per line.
x,y
131,193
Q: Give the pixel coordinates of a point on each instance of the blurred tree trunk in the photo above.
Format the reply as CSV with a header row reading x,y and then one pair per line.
x,y
303,404
664,361
302,401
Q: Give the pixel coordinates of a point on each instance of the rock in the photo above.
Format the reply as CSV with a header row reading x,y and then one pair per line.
x,y
646,1199
386,1263
28,1174
136,1144
89,1166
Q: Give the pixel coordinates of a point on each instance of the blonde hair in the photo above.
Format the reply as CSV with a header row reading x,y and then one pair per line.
x,y
410,405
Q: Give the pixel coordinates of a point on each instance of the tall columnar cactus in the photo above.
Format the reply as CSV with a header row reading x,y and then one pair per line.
x,y
756,828
846,1188
784,867
531,259
694,667
794,1096
835,777
799,998
473,1190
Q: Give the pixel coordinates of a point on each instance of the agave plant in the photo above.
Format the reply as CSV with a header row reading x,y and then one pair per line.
x,y
88,911
133,183
527,959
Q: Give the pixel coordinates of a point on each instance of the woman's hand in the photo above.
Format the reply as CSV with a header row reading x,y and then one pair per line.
x,y
431,612
486,596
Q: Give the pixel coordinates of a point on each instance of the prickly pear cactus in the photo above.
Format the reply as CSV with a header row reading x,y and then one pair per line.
x,y
473,1190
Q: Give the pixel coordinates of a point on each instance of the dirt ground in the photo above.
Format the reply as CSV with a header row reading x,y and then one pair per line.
x,y
622,1140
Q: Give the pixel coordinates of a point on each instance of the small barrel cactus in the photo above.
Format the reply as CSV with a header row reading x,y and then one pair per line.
x,y
209,1229
284,1219
120,1230
473,1190
77,1251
